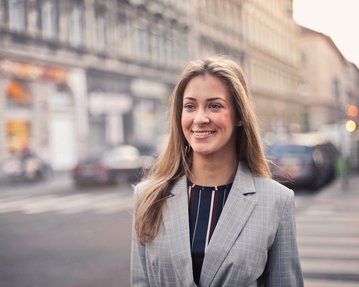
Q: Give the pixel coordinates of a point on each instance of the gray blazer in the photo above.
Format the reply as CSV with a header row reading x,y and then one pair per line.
x,y
254,243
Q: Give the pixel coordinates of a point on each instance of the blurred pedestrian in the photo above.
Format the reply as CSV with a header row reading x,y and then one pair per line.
x,y
209,214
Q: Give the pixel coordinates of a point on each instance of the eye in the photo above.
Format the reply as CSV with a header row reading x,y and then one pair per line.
x,y
189,106
215,106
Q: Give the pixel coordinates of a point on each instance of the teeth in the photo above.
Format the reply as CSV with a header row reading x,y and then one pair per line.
x,y
202,133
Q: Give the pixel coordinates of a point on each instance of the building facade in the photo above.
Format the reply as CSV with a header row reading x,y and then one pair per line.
x,y
262,36
330,85
328,79
216,28
79,76
270,36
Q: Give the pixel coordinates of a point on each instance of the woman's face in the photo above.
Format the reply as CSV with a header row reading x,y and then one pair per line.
x,y
208,117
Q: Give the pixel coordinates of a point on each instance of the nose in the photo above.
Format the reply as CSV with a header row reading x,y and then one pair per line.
x,y
201,117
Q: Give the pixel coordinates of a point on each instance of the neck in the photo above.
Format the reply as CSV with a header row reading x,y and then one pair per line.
x,y
213,171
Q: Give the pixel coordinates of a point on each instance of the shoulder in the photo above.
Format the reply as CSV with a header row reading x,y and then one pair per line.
x,y
142,186
271,185
269,190
273,199
262,186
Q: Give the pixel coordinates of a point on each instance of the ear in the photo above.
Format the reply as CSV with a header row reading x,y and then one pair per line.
x,y
239,124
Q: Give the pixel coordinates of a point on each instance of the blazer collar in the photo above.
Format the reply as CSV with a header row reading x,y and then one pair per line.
x,y
234,216
176,224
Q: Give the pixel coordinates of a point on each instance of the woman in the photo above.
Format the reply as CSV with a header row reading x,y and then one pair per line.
x,y
209,213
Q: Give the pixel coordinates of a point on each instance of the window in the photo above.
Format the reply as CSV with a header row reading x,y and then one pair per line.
x,y
18,94
155,45
123,30
76,19
161,45
303,59
2,12
169,46
183,50
100,30
111,27
49,19
17,21
142,40
336,88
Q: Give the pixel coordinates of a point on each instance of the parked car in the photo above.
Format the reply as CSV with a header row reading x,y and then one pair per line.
x,y
123,162
27,167
303,163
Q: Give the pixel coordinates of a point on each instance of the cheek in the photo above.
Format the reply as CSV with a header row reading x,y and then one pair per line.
x,y
227,121
185,122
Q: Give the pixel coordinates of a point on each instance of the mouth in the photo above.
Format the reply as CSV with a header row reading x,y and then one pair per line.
x,y
202,134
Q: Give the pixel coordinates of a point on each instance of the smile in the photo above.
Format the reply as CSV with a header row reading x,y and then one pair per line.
x,y
202,133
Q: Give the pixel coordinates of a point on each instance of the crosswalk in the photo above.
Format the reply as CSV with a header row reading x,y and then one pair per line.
x,y
328,229
328,240
66,204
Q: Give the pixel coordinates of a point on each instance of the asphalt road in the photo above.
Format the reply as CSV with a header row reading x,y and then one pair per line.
x,y
54,235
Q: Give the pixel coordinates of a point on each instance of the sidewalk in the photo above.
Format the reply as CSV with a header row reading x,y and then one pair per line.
x,y
58,180
340,195
328,236
337,186
334,189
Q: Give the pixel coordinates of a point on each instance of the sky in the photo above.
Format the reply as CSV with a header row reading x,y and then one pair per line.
x,y
338,19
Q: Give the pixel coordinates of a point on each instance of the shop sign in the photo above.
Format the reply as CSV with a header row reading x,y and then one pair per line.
x,y
30,71
18,94
109,103
18,135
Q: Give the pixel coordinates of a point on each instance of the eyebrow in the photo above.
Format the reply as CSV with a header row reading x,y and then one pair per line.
x,y
208,100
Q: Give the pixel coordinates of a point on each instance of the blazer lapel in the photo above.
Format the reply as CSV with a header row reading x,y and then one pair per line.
x,y
234,216
176,224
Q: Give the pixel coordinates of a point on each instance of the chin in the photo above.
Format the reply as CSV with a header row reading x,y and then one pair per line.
x,y
202,152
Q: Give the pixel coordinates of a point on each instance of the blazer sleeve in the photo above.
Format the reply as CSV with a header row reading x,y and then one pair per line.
x,y
139,276
283,265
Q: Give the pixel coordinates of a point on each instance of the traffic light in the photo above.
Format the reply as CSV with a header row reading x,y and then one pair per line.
x,y
352,113
350,126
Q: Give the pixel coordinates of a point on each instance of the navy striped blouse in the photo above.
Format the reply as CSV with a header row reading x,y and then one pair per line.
x,y
205,207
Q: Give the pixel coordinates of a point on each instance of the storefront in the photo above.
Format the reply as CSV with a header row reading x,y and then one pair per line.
x,y
150,111
18,117
110,107
62,129
40,113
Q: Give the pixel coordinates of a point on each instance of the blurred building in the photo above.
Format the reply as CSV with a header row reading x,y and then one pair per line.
x,y
216,27
271,60
262,36
79,75
330,83
352,84
325,81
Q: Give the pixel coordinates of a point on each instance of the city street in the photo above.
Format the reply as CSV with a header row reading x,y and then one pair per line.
x,y
99,91
328,236
55,235
59,236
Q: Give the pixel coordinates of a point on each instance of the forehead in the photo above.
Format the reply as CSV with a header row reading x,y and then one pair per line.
x,y
206,86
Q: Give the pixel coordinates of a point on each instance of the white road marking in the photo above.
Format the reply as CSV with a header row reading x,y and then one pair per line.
x,y
67,204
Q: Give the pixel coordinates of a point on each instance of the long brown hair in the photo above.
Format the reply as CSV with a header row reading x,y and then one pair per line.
x,y
175,160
